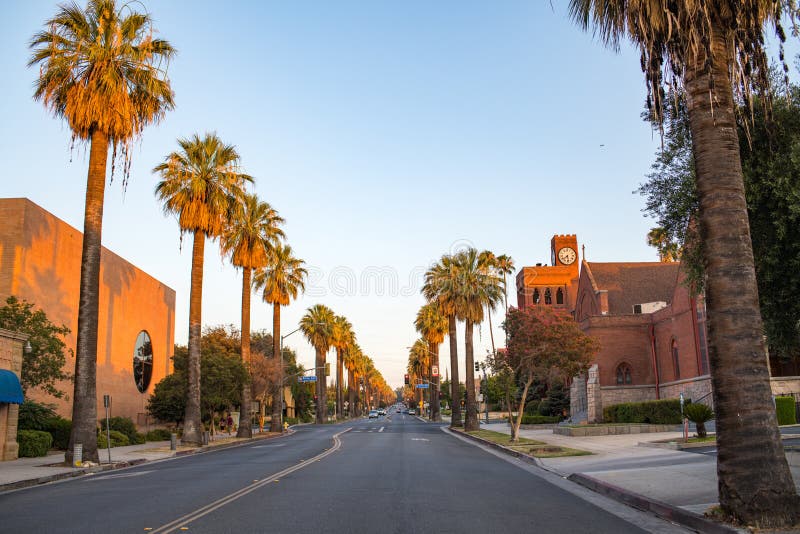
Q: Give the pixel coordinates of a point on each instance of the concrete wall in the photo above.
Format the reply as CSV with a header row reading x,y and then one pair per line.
x,y
692,388
40,259
785,386
11,345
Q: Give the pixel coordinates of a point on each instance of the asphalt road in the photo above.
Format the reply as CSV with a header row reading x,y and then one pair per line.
x,y
393,474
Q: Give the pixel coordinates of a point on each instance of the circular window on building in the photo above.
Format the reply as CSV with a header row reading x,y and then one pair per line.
x,y
143,361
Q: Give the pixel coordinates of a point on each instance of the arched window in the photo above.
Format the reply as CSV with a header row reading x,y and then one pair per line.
x,y
536,296
548,297
560,296
142,361
624,374
675,362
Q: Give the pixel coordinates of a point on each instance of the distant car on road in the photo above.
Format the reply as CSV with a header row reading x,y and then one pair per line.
x,y
412,411
382,412
373,414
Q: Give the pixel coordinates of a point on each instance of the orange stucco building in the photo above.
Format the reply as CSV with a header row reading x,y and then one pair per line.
x,y
40,257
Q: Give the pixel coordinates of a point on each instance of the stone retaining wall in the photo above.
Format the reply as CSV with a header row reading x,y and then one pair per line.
x,y
613,430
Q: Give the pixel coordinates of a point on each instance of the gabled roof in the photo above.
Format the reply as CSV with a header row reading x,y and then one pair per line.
x,y
633,283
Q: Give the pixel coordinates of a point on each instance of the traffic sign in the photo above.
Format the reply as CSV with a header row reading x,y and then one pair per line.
x,y
422,386
308,379
434,370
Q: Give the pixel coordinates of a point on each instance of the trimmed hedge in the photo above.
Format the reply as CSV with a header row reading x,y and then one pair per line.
x,y
540,419
60,429
126,426
118,439
660,412
158,434
33,443
784,406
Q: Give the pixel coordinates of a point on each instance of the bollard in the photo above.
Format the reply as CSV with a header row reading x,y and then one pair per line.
x,y
173,441
206,437
77,455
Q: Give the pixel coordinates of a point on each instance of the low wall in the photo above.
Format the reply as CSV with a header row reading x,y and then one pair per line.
x,y
785,386
613,430
692,388
619,394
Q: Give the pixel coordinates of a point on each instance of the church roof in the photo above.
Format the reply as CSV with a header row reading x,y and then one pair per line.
x,y
633,283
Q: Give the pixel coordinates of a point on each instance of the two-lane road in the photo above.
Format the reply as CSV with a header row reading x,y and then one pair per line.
x,y
391,474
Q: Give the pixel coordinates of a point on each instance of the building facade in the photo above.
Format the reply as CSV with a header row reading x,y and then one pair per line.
x,y
650,328
40,259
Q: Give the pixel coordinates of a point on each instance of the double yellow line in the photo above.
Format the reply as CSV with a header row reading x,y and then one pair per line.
x,y
219,503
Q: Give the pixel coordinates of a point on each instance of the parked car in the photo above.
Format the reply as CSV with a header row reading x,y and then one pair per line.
x,y
373,414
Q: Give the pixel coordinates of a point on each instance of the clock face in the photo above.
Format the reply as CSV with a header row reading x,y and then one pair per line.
x,y
567,256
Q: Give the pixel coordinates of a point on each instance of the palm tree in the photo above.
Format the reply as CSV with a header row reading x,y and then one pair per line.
x,y
703,46
442,287
479,288
281,281
419,360
317,326
504,265
343,337
351,356
101,71
432,326
203,185
249,240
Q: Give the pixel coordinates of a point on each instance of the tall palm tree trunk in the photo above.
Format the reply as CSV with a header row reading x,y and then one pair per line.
x,y
491,332
747,431
455,392
245,429
351,393
192,421
84,400
322,393
434,396
471,421
339,384
277,392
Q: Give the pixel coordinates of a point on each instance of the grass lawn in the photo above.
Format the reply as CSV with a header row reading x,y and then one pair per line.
x,y
532,447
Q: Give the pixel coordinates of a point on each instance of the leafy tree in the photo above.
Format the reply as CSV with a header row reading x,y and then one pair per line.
x,y
203,185
101,70
168,401
545,344
44,365
715,52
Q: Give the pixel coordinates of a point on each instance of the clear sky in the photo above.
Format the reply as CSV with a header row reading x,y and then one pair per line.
x,y
385,133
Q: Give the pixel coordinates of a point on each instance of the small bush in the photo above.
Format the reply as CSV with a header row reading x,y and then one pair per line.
x,y
540,419
126,426
60,429
698,414
784,407
33,443
118,439
660,412
158,434
34,416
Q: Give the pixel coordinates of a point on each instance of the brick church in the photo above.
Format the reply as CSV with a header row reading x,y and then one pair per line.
x,y
650,328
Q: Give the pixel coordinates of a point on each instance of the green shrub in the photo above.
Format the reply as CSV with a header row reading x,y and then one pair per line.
x,y
785,410
34,416
33,443
118,439
126,426
660,412
60,429
540,419
158,434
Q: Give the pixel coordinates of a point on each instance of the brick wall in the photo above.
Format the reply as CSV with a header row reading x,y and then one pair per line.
x,y
11,344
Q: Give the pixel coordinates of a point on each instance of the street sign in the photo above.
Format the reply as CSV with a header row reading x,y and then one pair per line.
x,y
307,379
422,386
434,370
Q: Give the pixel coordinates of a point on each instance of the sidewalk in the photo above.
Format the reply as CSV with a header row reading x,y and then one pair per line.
x,y
684,480
24,472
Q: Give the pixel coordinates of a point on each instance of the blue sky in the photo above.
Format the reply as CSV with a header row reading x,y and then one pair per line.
x,y
385,133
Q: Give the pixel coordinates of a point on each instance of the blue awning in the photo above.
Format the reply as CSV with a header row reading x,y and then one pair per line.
x,y
10,390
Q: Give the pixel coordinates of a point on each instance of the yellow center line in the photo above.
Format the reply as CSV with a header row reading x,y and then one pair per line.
x,y
181,522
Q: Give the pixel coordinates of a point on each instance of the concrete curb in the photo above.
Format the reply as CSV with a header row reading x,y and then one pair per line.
x,y
80,471
511,452
659,508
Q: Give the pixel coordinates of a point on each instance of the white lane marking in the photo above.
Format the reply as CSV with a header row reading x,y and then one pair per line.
x,y
420,439
181,522
381,430
265,446
122,475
